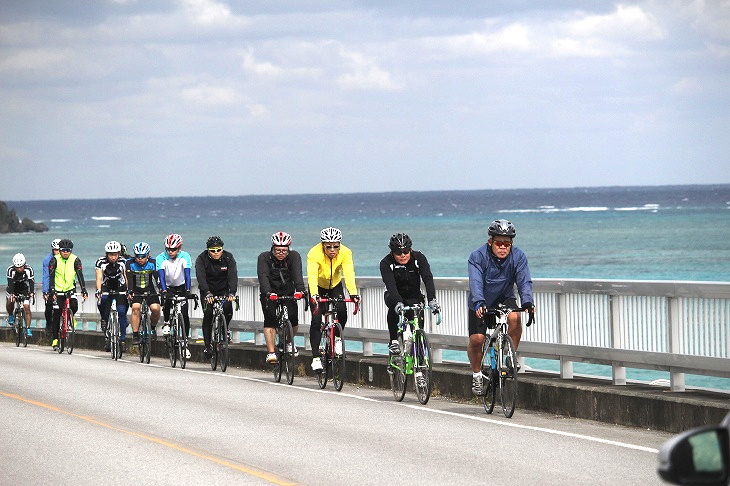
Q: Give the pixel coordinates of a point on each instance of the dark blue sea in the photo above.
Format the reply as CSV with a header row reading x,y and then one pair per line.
x,y
648,233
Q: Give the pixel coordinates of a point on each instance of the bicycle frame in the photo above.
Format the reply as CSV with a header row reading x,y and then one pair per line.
x,y
332,362
66,332
285,348
114,329
22,318
178,339
220,337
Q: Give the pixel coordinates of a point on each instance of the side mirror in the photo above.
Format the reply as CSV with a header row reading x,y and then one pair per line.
x,y
698,456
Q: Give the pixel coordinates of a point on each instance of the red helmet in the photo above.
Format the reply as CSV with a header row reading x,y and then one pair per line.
x,y
281,239
173,241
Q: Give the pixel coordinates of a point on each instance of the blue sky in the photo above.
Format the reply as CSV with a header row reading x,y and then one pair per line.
x,y
203,97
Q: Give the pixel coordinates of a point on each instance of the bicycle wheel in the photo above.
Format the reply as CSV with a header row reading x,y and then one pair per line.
x,y
279,350
215,343
114,330
182,341
397,373
338,359
508,377
287,356
324,346
143,336
490,391
223,339
422,366
19,327
172,343
63,330
70,335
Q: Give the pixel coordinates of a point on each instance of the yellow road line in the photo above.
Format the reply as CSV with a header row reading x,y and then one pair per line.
x,y
272,478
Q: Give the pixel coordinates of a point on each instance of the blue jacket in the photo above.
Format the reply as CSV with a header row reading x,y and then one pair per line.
x,y
46,275
491,283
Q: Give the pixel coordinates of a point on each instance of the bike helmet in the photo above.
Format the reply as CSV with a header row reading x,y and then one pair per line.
x,y
281,239
113,247
173,241
214,242
400,241
54,244
141,248
66,243
19,260
330,234
502,227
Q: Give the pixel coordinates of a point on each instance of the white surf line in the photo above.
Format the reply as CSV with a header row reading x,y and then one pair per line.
x,y
536,429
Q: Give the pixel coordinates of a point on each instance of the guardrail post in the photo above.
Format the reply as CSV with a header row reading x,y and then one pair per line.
x,y
258,338
566,366
367,348
618,373
676,378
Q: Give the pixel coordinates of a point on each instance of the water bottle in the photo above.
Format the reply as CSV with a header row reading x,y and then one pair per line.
x,y
407,340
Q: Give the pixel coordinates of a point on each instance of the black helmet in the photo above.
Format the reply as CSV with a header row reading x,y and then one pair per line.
x,y
400,240
66,243
502,227
214,242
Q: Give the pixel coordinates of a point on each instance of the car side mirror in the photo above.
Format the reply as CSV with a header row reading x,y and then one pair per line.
x,y
698,456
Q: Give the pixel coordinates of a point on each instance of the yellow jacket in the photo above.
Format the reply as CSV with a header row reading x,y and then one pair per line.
x,y
327,273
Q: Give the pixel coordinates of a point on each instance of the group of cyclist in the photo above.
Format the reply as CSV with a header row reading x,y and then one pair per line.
x,y
494,270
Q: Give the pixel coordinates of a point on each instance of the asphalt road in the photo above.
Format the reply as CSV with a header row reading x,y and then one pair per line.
x,y
85,419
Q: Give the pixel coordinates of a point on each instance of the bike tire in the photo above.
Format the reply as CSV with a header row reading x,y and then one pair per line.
x,y
338,360
172,342
422,365
182,341
490,392
70,336
215,343
62,331
508,377
288,357
143,335
19,327
279,350
397,373
223,339
323,376
114,330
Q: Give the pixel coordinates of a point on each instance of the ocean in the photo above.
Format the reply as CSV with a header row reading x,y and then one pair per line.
x,y
635,233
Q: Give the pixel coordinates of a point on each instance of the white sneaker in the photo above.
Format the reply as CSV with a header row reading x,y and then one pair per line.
x,y
338,345
289,350
317,364
271,358
166,330
187,353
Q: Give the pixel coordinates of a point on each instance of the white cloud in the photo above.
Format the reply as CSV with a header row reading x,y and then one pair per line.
x,y
365,74
630,22
211,95
687,87
36,59
207,12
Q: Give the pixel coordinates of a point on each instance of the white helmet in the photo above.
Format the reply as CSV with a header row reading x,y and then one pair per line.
x,y
330,234
113,247
281,239
19,260
54,244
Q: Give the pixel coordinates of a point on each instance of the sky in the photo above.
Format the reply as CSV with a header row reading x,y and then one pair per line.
x,y
125,98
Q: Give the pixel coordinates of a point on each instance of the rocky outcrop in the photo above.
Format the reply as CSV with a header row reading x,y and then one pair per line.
x,y
9,222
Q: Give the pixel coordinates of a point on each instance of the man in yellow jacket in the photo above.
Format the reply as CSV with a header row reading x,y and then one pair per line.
x,y
327,263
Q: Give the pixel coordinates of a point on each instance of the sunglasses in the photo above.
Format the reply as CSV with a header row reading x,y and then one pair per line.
x,y
140,257
215,250
281,250
170,250
332,247
66,250
401,251
502,244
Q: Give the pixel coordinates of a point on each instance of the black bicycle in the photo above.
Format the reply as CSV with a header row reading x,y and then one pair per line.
x,y
114,330
221,336
286,351
177,341
499,362
145,330
332,344
20,326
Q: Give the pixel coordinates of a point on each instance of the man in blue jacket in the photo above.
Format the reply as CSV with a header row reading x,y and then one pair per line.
x,y
494,269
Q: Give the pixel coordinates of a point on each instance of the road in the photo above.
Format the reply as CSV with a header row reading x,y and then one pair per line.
x,y
85,419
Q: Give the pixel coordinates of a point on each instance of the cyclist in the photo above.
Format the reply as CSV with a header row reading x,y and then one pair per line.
x,y
217,275
494,269
327,263
173,266
49,302
64,270
21,282
111,276
402,271
280,273
141,278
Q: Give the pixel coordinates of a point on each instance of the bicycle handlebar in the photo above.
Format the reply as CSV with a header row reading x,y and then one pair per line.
x,y
416,308
336,300
502,309
30,296
224,298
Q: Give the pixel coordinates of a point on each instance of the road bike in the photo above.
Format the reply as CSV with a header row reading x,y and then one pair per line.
x,y
145,330
285,349
415,356
20,326
221,336
113,330
499,362
177,341
332,344
67,329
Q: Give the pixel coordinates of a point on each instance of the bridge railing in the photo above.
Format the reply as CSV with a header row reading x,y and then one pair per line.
x,y
675,326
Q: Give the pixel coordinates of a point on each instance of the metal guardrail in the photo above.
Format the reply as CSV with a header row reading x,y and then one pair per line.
x,y
680,327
